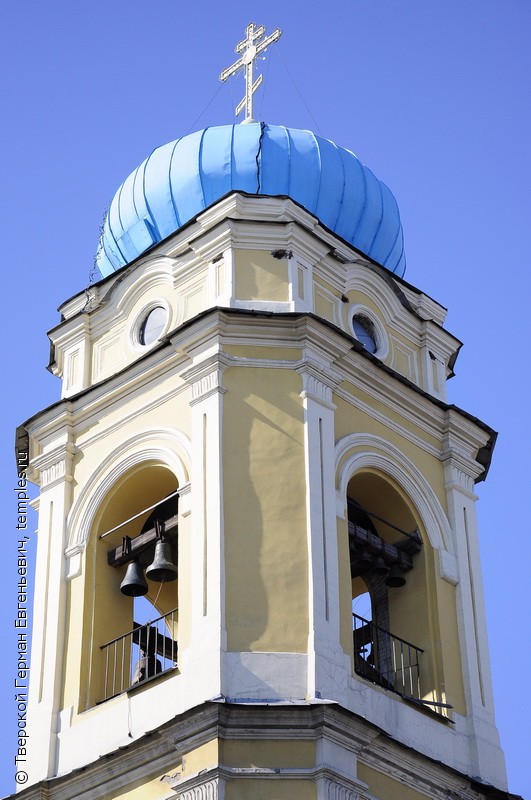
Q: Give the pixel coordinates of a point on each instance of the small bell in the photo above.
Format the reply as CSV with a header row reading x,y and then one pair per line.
x,y
380,567
134,584
395,579
162,569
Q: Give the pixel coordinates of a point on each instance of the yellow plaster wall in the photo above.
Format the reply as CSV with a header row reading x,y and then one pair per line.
x,y
259,276
349,419
142,410
447,647
249,754
275,789
201,758
76,609
325,299
324,285
266,559
112,349
385,788
356,296
257,753
273,353
400,362
185,582
143,789
324,305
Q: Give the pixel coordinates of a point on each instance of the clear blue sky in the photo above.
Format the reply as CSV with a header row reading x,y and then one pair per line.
x,y
432,96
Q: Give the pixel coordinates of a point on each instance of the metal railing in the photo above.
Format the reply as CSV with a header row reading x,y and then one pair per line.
x,y
139,655
385,659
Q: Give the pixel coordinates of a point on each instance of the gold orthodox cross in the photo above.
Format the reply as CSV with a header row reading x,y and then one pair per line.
x,y
250,48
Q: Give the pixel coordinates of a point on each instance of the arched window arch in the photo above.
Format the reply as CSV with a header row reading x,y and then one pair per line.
x,y
394,645
125,532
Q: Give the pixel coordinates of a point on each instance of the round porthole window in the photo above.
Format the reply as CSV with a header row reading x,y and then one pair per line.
x,y
152,325
364,332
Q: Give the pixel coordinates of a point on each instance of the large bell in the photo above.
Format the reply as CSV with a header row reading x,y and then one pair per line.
x,y
395,579
361,563
162,569
134,584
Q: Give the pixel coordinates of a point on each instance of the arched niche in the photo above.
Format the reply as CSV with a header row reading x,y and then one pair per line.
x,y
403,609
380,500
109,614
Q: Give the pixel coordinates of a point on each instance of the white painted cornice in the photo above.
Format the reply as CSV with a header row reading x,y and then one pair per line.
x,y
158,272
432,334
318,382
396,316
425,306
159,753
205,377
400,398
209,784
54,466
306,244
88,300
51,440
462,439
93,403
207,334
421,775
213,243
460,472
187,257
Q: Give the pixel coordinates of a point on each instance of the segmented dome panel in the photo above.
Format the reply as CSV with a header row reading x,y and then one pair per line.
x,y
184,177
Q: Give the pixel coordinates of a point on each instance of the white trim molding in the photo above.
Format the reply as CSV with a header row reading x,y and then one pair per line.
x,y
359,451
166,446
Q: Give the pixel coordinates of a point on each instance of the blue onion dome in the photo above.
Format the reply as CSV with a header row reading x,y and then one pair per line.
x,y
184,177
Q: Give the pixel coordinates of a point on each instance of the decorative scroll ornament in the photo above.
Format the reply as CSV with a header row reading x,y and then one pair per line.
x,y
203,791
335,791
251,48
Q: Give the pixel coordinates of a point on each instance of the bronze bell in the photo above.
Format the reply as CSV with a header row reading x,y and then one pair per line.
x,y
362,562
134,584
162,569
380,567
395,579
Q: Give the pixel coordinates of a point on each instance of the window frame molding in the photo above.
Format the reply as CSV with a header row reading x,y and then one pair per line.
x,y
380,335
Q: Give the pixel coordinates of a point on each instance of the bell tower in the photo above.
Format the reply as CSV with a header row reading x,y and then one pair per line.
x,y
258,570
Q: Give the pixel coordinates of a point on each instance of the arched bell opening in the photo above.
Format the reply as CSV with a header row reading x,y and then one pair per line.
x,y
392,564
137,520
361,599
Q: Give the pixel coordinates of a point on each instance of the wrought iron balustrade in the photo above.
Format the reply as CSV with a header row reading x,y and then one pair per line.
x,y
387,660
139,655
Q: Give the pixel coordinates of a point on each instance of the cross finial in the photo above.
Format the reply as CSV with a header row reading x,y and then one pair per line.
x,y
250,49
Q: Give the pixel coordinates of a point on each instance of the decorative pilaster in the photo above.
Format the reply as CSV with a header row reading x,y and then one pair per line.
x,y
55,470
461,470
202,657
319,380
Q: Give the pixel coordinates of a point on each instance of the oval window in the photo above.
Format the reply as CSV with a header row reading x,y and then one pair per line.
x,y
364,332
152,325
